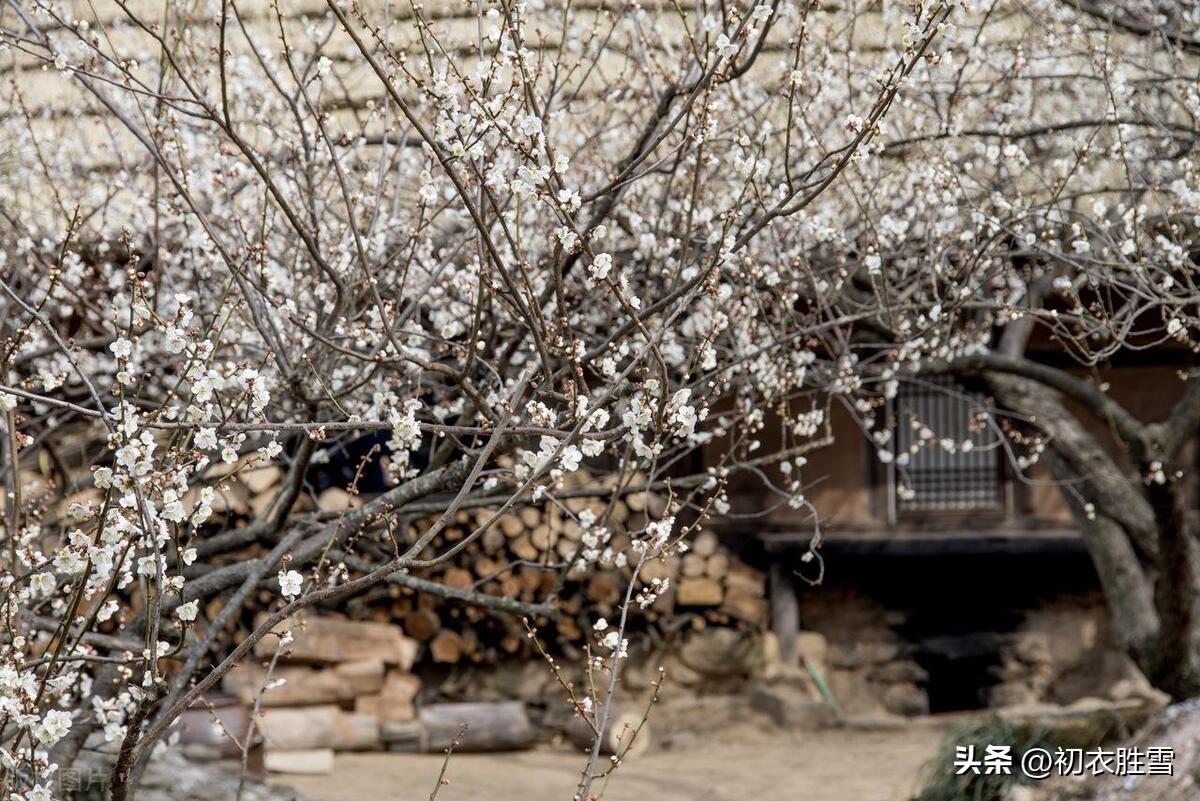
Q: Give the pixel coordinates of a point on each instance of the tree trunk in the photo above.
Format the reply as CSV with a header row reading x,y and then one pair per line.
x,y
1176,669
1136,534
1123,580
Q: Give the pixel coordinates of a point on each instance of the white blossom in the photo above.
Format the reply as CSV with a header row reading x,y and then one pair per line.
x,y
187,612
290,583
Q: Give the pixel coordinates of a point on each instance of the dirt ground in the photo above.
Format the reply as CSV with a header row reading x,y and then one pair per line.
x,y
829,765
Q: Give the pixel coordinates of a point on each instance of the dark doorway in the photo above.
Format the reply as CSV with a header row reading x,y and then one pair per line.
x,y
955,605
962,670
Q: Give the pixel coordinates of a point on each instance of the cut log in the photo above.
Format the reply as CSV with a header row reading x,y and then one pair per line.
x,y
486,567
699,592
332,640
637,521
522,548
572,604
396,703
716,566
491,726
458,579
542,537
318,727
530,578
511,525
307,762
493,541
708,579
231,497
667,568
622,736
568,629
744,606
422,624
405,737
745,579
336,500
566,548
300,686
400,608
692,565
470,639
576,480
364,677
213,608
384,710
785,613
602,588
446,647
260,479
705,543
665,604
260,504
572,531
510,586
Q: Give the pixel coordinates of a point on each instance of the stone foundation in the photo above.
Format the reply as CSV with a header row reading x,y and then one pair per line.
x,y
874,663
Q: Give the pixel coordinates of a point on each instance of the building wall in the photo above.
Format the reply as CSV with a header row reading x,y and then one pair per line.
x,y
1148,393
845,481
944,633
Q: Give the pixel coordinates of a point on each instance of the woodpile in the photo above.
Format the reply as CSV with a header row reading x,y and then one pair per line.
x,y
327,640
346,681
522,556
312,701
332,687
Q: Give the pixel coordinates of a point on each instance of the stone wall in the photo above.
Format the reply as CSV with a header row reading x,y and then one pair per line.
x,y
1058,653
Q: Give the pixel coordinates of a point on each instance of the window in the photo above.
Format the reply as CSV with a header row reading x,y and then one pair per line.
x,y
953,453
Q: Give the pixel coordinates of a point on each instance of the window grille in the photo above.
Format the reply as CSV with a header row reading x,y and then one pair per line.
x,y
937,479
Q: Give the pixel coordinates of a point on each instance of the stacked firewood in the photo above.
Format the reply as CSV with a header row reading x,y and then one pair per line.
x,y
531,553
349,678
334,686
345,685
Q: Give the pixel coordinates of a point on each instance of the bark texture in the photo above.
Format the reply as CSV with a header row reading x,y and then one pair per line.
x,y
1134,525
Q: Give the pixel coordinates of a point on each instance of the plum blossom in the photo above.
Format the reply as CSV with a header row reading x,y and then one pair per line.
x,y
121,348
290,582
53,726
187,612
205,439
601,266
